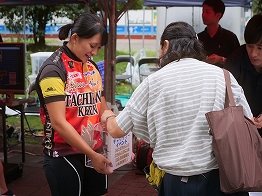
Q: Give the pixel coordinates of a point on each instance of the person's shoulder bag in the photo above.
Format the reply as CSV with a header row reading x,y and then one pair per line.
x,y
237,146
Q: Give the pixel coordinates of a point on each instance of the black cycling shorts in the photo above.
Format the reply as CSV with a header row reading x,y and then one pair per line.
x,y
69,176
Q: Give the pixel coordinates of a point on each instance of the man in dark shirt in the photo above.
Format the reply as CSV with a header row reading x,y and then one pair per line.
x,y
218,42
246,65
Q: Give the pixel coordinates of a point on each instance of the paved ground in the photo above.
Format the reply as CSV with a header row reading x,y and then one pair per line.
x,y
126,180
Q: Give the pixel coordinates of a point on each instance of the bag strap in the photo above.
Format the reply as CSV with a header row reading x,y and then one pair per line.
x,y
229,100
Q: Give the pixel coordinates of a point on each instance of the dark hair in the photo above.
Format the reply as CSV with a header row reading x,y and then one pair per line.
x,y
183,43
85,26
253,31
218,6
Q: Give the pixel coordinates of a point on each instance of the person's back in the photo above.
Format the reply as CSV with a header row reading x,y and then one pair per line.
x,y
168,110
179,95
218,42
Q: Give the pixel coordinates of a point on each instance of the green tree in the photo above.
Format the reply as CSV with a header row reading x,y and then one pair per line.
x,y
13,18
36,18
257,6
71,11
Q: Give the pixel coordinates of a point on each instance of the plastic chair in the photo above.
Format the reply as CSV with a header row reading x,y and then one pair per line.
x,y
32,108
152,62
121,77
22,110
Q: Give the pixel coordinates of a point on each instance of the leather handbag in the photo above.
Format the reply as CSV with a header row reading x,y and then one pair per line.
x,y
237,146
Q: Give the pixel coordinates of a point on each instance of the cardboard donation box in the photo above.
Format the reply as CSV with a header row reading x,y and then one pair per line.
x,y
117,150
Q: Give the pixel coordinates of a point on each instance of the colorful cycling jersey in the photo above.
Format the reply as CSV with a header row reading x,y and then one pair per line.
x,y
63,77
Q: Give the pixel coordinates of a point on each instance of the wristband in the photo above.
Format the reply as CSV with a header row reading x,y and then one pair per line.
x,y
109,116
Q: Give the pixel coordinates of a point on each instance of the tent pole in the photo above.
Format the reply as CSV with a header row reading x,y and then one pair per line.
x,y
130,53
24,27
193,10
165,16
25,49
143,36
112,52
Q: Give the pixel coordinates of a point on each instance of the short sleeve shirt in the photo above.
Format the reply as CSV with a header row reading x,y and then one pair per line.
x,y
63,77
242,69
223,43
168,110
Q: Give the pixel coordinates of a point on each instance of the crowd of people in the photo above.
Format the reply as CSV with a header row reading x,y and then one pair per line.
x,y
167,109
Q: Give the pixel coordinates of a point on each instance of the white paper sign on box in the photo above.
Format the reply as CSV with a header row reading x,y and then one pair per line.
x,y
117,150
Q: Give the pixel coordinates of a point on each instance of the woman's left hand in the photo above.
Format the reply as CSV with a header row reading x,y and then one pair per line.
x,y
101,164
258,121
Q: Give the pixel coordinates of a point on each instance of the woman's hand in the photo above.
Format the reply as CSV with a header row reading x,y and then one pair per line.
x,y
109,124
101,164
57,115
104,117
258,121
214,59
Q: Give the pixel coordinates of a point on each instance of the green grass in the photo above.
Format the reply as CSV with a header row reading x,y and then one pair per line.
x,y
34,121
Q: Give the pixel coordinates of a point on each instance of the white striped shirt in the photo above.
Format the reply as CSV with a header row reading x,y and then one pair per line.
x,y
168,110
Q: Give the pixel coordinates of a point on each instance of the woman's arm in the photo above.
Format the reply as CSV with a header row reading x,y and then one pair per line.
x,y
104,106
108,120
56,112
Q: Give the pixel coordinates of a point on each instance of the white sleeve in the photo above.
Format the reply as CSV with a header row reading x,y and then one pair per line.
x,y
239,97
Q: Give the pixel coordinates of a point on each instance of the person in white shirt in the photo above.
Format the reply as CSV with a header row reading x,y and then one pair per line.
x,y
168,108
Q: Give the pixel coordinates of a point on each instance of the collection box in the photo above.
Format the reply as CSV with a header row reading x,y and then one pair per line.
x,y
37,60
117,150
